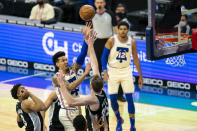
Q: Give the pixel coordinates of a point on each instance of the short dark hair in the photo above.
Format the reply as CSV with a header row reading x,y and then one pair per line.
x,y
14,90
97,83
79,122
121,5
123,23
57,55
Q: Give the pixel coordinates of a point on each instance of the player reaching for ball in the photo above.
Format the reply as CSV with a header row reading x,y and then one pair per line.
x,y
67,114
96,103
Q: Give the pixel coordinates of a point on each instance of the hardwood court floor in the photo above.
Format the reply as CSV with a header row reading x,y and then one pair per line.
x,y
148,117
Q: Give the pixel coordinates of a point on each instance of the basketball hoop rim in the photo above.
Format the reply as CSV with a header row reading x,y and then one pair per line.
x,y
183,37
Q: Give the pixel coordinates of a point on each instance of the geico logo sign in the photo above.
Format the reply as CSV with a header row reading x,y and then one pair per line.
x,y
178,85
2,61
152,89
45,73
152,82
50,45
44,67
185,94
17,70
17,63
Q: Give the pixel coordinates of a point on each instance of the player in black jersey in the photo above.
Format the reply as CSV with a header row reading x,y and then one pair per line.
x,y
54,122
96,102
28,111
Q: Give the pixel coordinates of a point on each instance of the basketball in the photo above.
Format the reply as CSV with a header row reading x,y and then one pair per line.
x,y
86,12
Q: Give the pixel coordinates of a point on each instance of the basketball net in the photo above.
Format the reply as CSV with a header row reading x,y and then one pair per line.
x,y
167,40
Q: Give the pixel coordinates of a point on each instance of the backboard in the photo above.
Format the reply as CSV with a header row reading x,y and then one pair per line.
x,y
169,30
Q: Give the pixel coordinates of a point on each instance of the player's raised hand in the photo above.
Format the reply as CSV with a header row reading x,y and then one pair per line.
x,y
140,82
87,30
91,39
87,69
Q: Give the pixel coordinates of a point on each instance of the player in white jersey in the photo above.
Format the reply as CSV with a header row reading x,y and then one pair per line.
x,y
67,114
117,53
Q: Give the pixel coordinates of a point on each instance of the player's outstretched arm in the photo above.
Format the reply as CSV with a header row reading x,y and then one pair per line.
x,y
80,59
78,81
91,53
104,58
137,63
52,96
81,101
32,106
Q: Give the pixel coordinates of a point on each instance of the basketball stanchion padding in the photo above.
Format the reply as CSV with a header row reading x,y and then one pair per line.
x,y
194,39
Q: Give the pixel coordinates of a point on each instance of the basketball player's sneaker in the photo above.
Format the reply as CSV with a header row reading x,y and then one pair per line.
x,y
132,129
119,124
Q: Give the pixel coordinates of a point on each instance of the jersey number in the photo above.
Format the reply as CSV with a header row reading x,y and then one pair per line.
x,y
121,54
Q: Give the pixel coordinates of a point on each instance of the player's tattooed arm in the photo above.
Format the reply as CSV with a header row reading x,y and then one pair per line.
x,y
71,86
77,82
57,85
54,81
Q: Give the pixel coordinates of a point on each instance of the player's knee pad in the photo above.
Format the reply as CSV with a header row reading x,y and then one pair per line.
x,y
131,107
114,103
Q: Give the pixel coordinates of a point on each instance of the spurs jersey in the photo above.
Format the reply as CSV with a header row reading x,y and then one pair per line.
x,y
75,93
102,112
33,121
120,54
54,122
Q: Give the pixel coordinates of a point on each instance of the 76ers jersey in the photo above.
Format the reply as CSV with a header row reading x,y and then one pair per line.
x,y
75,93
120,53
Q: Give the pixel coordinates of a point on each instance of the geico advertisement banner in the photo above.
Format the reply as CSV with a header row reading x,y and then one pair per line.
x,y
39,45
